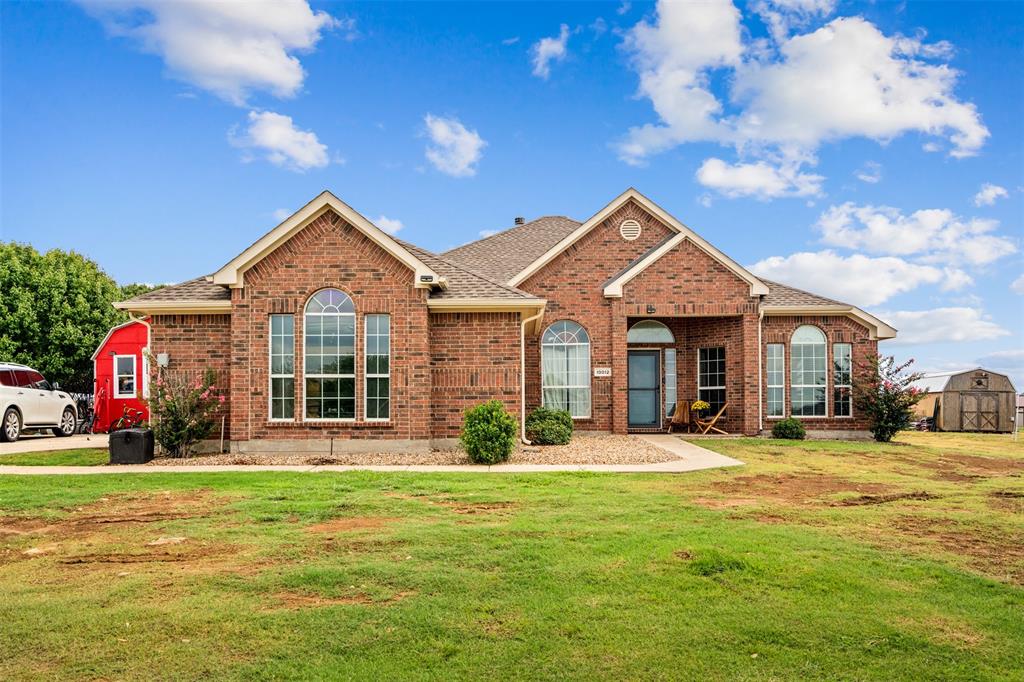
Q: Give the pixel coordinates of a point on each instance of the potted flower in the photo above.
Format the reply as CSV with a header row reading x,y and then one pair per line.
x,y
700,407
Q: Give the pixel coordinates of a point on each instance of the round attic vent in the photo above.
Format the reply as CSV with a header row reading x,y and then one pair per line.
x,y
629,229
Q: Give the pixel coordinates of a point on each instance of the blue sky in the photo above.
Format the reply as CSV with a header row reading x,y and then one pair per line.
x,y
870,152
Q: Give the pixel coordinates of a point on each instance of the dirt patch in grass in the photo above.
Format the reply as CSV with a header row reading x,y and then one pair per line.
x,y
303,600
993,466
350,523
794,489
995,552
724,502
883,499
943,630
460,506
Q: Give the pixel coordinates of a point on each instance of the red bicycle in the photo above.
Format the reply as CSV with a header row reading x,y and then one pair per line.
x,y
130,419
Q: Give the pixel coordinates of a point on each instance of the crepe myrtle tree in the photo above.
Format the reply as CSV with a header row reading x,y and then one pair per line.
x,y
884,393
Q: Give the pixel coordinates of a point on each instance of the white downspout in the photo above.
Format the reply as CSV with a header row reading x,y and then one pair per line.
x,y
760,372
522,375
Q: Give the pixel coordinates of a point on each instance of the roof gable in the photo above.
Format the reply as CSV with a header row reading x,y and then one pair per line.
x,y
233,273
614,286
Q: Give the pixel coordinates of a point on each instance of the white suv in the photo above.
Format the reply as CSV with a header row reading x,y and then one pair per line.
x,y
29,403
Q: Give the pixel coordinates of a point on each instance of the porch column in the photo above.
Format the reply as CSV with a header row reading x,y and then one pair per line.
x,y
751,397
620,386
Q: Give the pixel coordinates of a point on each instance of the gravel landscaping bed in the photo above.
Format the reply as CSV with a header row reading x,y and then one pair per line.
x,y
581,450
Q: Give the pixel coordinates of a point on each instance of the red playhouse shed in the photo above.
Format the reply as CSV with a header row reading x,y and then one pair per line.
x,y
120,371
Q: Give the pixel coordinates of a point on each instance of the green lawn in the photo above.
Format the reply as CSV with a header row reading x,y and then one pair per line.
x,y
816,560
76,457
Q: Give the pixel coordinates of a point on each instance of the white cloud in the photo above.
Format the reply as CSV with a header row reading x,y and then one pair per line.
x,y
510,41
988,194
280,142
281,213
760,179
855,279
454,149
845,79
547,50
389,225
781,16
1011,361
870,172
1017,286
624,7
705,200
228,48
942,325
488,233
955,279
936,235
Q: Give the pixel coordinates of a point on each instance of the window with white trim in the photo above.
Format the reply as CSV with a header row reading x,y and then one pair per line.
x,y
670,381
807,395
776,366
329,329
565,368
124,376
842,379
282,367
711,377
378,367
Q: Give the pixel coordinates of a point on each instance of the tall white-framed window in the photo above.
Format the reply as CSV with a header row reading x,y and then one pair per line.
x,y
842,379
378,367
671,390
282,367
329,330
565,368
124,376
776,366
808,373
711,377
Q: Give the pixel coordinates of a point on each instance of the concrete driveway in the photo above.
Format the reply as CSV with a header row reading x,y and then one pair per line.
x,y
47,441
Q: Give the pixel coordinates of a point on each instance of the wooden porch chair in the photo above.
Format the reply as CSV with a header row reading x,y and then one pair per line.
x,y
681,417
705,425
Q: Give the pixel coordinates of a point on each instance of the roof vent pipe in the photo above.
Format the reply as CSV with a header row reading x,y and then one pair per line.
x,y
520,220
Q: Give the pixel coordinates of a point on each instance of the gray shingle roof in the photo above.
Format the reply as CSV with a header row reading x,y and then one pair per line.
x,y
198,289
462,282
505,254
782,295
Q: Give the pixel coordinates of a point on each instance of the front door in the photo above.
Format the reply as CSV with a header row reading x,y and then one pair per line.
x,y
644,388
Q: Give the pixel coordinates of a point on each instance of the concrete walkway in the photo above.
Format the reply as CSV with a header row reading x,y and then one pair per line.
x,y
48,442
691,458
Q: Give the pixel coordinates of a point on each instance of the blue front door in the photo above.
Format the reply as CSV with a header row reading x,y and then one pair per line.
x,y
644,388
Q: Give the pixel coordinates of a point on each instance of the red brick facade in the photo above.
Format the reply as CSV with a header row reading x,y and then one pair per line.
x,y
444,362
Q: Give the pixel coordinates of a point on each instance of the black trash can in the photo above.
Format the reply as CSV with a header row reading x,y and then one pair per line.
x,y
131,446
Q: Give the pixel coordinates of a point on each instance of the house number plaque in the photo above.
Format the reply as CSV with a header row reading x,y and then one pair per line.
x,y
602,371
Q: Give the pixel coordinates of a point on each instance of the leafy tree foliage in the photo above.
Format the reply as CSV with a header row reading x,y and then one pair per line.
x,y
55,308
886,396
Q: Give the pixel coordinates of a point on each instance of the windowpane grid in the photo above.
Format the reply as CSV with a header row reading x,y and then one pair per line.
x,y
711,377
842,379
808,373
776,380
282,367
378,366
565,368
330,356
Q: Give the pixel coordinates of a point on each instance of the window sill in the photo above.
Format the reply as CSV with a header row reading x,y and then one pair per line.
x,y
328,423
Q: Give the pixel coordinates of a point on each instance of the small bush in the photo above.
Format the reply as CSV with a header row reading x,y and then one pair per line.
x,y
789,428
488,433
545,426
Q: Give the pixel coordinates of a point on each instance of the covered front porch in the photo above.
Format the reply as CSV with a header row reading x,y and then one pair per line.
x,y
672,359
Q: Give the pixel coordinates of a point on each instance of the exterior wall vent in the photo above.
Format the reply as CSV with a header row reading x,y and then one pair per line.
x,y
630,230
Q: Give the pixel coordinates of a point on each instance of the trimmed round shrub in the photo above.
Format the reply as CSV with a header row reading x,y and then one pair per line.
x,y
545,426
792,429
488,433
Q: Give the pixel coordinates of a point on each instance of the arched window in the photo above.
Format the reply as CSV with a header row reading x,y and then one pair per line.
x,y
330,332
649,331
565,368
807,372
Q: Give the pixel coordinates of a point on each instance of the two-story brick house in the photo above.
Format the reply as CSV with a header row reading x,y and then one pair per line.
x,y
330,331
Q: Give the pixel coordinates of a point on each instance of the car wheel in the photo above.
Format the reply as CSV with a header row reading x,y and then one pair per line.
x,y
10,429
67,423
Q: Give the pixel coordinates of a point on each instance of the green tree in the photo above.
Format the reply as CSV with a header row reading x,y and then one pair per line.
x,y
886,394
55,308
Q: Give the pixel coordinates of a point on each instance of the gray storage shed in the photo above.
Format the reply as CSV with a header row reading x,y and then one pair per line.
x,y
976,400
